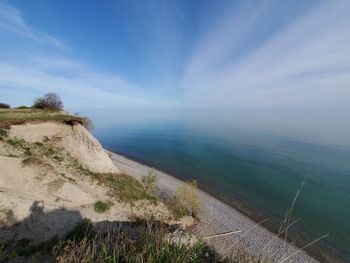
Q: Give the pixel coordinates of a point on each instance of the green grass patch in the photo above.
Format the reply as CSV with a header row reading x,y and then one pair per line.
x,y
49,152
101,207
121,186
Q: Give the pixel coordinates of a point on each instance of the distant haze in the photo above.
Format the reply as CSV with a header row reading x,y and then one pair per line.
x,y
177,54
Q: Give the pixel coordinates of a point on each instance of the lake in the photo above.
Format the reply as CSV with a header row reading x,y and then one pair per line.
x,y
252,160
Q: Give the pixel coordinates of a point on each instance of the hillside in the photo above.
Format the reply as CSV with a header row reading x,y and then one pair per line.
x,y
54,176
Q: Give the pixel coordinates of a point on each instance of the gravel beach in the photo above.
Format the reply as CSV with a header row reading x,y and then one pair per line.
x,y
218,218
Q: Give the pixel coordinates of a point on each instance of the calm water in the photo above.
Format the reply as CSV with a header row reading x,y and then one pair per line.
x,y
254,161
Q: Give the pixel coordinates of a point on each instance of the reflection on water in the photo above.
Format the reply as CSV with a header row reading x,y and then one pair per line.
x,y
252,160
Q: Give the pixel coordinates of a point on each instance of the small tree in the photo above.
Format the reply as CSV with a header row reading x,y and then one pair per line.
x,y
4,106
50,101
149,181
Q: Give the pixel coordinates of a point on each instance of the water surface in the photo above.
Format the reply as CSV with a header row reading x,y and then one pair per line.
x,y
252,160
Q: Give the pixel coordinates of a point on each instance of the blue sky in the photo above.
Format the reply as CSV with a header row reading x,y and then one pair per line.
x,y
177,54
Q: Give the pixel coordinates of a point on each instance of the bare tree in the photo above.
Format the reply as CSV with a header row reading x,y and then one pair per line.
x,y
50,101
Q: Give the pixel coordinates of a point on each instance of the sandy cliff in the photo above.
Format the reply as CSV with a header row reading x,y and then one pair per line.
x,y
74,139
45,184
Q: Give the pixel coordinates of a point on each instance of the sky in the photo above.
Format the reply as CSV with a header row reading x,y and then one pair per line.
x,y
181,54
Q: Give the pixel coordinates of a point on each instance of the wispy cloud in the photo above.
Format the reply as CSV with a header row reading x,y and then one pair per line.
x,y
304,64
86,87
78,83
251,54
12,20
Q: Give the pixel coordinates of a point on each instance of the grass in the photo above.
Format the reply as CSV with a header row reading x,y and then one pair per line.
x,y
121,186
143,241
146,241
101,207
24,248
19,116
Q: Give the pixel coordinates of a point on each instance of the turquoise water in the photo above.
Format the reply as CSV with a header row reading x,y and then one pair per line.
x,y
254,161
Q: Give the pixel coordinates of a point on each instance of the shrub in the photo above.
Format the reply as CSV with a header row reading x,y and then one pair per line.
x,y
149,181
15,142
32,161
6,217
4,106
3,132
23,107
85,121
27,152
49,101
188,198
39,144
101,207
49,152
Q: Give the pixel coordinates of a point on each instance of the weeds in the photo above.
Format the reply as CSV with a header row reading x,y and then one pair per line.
x,y
145,242
188,199
58,158
27,152
15,142
49,152
6,217
101,207
121,186
39,144
24,248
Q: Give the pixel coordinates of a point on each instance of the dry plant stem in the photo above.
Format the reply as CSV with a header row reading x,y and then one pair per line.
x,y
246,233
277,236
223,234
289,211
300,249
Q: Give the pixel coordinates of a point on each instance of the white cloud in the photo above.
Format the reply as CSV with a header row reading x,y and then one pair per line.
x,y
12,20
305,65
78,83
90,88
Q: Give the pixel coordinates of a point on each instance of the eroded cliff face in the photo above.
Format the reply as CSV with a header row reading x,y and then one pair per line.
x,y
47,182
74,139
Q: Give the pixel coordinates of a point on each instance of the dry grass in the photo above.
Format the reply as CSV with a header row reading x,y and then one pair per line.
x,y
19,116
145,241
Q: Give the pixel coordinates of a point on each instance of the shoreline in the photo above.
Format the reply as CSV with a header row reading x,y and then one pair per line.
x,y
218,217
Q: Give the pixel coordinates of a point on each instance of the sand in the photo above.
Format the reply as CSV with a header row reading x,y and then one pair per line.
x,y
217,218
